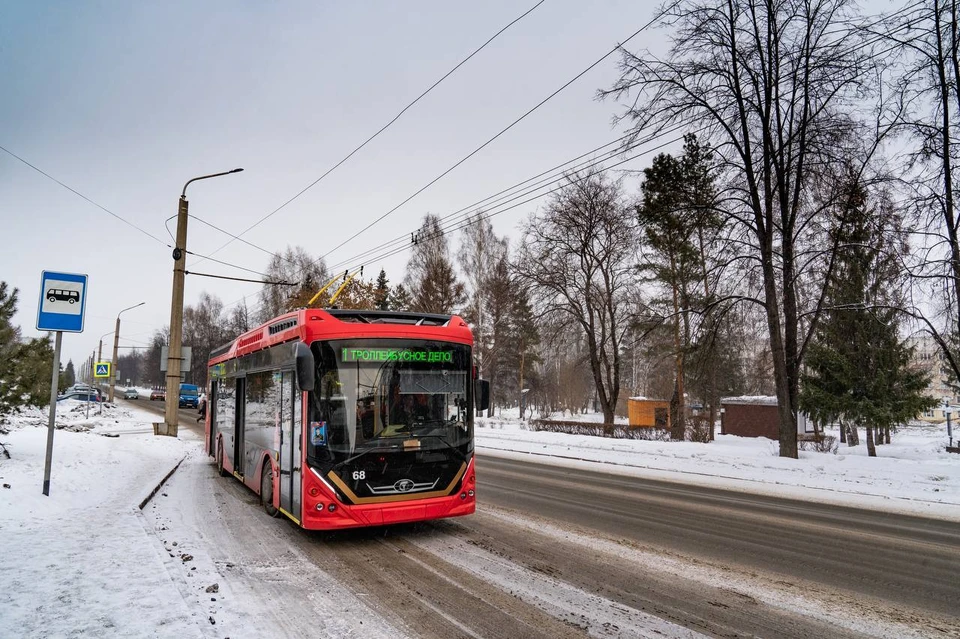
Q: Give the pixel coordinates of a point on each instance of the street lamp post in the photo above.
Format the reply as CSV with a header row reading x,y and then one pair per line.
x,y
176,311
116,341
100,348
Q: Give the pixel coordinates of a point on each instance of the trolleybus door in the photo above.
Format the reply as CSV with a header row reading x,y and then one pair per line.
x,y
291,449
212,417
238,443
286,442
297,440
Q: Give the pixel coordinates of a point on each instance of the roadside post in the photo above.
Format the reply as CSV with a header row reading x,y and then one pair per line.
x,y
100,371
947,410
63,298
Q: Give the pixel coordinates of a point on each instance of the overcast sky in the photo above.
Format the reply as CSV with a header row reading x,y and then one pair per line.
x,y
126,101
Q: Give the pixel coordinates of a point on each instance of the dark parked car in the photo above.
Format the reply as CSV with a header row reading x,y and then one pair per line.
x,y
86,395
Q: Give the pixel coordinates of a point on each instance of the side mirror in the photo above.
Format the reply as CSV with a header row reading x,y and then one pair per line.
x,y
482,394
305,366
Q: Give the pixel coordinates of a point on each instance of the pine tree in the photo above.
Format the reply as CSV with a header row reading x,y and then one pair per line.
x,y
33,366
25,367
399,299
381,293
9,344
677,211
858,367
69,375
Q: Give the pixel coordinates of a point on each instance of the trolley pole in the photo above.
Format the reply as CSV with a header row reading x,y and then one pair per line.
x,y
52,422
174,359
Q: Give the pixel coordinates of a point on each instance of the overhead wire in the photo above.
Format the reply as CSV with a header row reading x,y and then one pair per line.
x,y
455,224
403,238
81,195
383,128
526,114
533,109
405,247
121,218
512,193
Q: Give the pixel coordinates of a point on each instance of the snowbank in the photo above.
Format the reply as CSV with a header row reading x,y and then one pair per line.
x,y
914,474
80,561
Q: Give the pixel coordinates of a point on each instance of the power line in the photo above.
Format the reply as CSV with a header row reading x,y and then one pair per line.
x,y
487,215
457,225
500,198
501,132
381,130
78,193
878,39
403,248
239,279
507,128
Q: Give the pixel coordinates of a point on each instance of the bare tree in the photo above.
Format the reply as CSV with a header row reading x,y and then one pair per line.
x,y
926,104
295,265
481,252
430,278
770,87
203,330
578,259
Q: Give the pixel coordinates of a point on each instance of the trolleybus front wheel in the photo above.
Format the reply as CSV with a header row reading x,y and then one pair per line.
x,y
266,489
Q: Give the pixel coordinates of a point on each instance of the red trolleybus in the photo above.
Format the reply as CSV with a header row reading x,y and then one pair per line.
x,y
343,418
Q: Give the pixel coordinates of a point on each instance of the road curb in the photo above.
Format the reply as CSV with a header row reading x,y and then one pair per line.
x,y
157,488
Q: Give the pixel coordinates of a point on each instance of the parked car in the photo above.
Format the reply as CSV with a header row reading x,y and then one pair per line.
x,y
88,395
158,394
131,393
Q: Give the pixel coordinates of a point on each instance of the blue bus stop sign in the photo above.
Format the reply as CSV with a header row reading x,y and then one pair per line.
x,y
63,298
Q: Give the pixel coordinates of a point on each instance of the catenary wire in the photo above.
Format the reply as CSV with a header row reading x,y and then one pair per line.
x,y
81,195
515,192
403,248
381,130
579,75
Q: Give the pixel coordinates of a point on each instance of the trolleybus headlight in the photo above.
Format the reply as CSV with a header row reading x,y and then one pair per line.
x,y
470,492
463,495
320,506
332,507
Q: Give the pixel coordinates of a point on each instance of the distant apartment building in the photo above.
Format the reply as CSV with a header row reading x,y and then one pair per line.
x,y
928,357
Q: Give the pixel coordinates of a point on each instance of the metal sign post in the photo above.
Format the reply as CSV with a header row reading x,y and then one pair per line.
x,y
51,423
63,298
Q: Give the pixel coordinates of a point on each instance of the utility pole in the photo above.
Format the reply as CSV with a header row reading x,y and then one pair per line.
x,y
174,358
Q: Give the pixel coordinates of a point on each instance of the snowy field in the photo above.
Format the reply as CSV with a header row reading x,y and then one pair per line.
x,y
79,562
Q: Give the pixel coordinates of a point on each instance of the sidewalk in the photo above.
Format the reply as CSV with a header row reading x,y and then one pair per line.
x,y
80,562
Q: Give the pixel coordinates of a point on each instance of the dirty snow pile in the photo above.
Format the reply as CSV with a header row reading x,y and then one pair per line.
x,y
80,562
913,474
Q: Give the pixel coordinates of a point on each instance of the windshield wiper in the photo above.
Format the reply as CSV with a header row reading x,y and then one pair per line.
x,y
462,457
361,454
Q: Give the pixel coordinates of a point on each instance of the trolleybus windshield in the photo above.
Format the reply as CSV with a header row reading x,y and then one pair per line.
x,y
380,394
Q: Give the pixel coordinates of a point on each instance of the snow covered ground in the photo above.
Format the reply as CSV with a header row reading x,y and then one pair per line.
x,y
81,561
913,474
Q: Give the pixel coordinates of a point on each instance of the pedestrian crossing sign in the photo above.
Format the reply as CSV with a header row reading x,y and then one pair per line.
x,y
102,369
